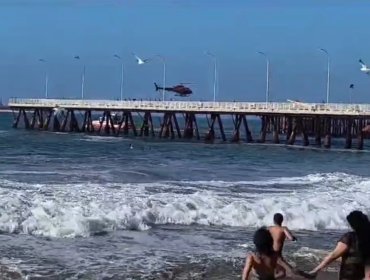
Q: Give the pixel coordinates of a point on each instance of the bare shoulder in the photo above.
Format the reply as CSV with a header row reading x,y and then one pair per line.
x,y
273,228
251,258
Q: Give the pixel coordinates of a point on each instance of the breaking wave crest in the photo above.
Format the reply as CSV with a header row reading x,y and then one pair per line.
x,y
312,202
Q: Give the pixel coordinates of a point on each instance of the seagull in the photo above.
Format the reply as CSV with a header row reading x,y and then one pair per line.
x,y
139,60
364,67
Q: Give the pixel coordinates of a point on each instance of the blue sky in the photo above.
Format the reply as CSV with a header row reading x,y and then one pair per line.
x,y
290,32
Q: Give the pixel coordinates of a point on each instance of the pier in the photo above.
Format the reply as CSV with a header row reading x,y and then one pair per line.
x,y
285,123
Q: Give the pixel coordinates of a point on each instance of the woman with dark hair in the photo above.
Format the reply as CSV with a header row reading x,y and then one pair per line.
x,y
265,260
354,249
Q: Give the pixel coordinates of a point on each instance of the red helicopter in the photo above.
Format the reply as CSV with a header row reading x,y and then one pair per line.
x,y
180,90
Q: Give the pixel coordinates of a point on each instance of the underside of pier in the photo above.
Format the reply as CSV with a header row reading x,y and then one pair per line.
x,y
277,128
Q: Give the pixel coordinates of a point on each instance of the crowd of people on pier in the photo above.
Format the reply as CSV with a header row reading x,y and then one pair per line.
x,y
267,262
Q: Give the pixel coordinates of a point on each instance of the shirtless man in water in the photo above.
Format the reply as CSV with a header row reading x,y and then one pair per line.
x,y
280,233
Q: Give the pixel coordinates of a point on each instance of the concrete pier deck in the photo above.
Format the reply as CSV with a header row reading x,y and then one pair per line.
x,y
311,123
250,108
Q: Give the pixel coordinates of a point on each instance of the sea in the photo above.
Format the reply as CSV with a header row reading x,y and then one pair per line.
x,y
77,206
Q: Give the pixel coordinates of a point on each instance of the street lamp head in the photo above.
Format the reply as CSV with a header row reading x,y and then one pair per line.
x,y
161,57
324,50
263,53
209,54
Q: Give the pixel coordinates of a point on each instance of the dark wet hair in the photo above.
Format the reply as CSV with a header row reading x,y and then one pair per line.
x,y
263,241
359,222
278,219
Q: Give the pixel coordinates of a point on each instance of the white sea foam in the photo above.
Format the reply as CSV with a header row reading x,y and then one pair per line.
x,y
313,202
97,138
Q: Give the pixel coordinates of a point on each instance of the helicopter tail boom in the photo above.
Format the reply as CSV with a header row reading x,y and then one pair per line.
x,y
156,87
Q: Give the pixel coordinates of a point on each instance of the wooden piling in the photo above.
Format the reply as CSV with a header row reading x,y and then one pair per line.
x,y
327,139
348,143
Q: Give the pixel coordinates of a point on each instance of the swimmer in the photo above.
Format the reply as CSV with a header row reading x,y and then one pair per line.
x,y
280,233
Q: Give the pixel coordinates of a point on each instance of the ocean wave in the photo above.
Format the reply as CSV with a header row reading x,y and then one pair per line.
x,y
312,202
97,138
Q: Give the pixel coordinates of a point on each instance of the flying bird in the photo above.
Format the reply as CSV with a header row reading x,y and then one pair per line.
x,y
77,57
364,67
139,60
351,86
117,56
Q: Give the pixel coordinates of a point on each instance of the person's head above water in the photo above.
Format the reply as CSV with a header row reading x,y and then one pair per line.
x,y
263,241
359,222
278,219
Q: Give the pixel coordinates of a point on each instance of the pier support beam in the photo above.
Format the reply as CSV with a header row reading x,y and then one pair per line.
x,y
128,123
147,125
303,128
293,133
56,122
360,134
169,125
237,122
191,126
249,137
210,136
73,123
275,133
289,127
45,125
33,119
64,122
318,129
264,125
327,140
16,119
348,129
84,122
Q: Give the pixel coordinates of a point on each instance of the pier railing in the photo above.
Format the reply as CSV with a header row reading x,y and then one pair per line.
x,y
197,106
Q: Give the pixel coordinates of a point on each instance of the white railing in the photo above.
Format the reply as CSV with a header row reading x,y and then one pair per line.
x,y
196,106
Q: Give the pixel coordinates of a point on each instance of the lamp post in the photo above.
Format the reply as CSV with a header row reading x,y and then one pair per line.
x,y
46,78
82,77
267,76
122,72
164,74
328,75
351,89
215,73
